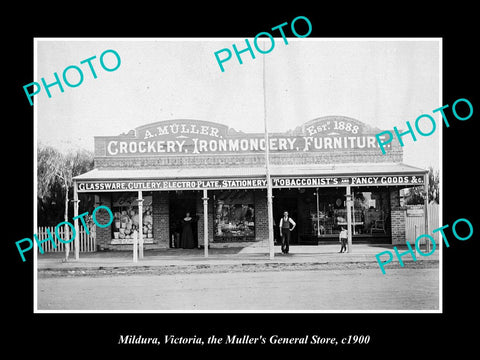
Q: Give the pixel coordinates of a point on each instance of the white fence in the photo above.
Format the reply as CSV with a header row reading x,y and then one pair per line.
x,y
414,217
86,242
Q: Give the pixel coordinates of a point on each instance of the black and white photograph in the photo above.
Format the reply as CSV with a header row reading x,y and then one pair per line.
x,y
221,179
269,182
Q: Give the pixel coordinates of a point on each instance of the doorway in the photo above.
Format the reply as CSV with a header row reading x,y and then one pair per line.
x,y
181,202
286,200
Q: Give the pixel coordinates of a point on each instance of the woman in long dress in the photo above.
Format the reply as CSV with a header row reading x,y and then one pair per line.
x,y
186,240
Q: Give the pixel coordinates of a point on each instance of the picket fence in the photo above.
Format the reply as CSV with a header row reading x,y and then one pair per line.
x,y
86,242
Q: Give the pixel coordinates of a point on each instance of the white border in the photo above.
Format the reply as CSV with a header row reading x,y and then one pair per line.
x,y
35,152
440,243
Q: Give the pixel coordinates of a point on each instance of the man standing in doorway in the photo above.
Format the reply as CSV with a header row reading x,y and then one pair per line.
x,y
285,231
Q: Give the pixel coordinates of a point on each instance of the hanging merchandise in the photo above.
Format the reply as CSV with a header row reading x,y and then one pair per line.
x,y
126,224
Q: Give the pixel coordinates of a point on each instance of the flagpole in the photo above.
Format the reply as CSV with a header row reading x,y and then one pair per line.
x,y
271,247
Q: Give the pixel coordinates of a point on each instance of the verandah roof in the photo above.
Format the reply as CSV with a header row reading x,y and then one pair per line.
x,y
345,169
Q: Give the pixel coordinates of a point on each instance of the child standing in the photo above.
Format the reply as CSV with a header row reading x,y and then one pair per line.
x,y
342,237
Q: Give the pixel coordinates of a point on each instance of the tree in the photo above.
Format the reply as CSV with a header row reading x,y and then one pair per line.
x,y
433,185
55,172
416,194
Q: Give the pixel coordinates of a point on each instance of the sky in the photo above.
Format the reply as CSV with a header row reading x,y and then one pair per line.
x,y
381,82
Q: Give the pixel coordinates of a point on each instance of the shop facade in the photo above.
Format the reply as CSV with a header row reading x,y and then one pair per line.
x,y
321,172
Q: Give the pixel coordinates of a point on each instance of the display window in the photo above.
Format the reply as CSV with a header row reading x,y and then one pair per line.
x,y
125,226
369,214
372,208
234,216
328,217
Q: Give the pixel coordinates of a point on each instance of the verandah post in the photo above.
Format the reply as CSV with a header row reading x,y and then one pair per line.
x,y
75,222
140,223
349,218
205,222
425,204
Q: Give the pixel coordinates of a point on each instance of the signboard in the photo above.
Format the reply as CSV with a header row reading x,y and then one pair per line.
x,y
416,211
193,137
252,183
387,180
280,182
153,185
378,180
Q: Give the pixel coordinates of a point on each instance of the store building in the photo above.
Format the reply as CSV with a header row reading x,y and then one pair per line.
x,y
153,175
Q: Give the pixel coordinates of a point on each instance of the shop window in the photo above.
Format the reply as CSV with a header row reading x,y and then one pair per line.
x,y
373,208
331,213
125,225
369,213
234,216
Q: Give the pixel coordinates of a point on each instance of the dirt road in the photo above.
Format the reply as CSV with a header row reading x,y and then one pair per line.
x,y
350,289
